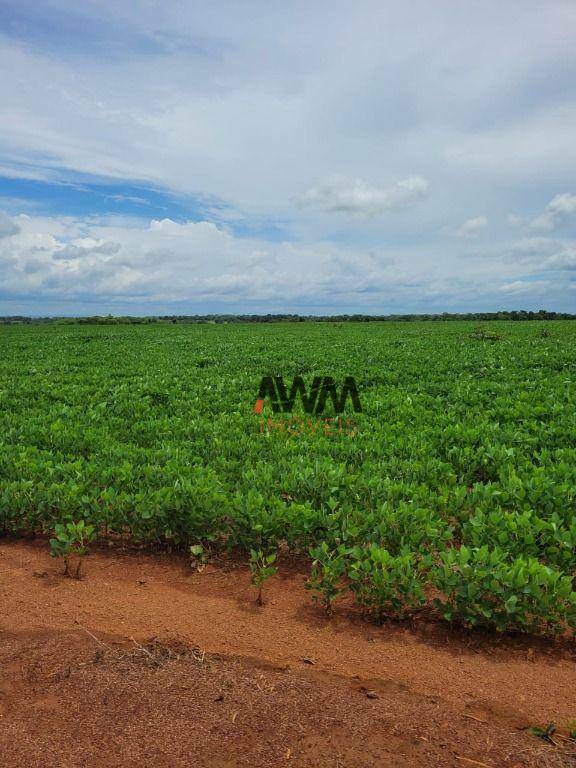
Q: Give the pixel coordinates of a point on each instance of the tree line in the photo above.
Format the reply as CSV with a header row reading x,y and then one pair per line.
x,y
517,315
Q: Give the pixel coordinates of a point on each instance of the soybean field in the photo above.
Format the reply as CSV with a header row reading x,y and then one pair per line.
x,y
452,491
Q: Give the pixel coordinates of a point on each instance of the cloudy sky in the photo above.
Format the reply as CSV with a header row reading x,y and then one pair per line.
x,y
260,156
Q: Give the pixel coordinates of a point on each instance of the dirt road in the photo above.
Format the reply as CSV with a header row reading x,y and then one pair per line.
x,y
146,662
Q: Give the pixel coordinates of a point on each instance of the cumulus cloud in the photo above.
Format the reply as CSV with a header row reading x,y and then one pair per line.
x,y
7,226
85,247
472,227
561,209
338,194
166,266
168,261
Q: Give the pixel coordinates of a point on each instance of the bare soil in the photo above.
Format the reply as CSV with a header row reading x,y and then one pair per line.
x,y
146,662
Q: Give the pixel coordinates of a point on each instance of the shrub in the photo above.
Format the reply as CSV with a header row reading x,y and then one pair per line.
x,y
481,587
384,584
524,534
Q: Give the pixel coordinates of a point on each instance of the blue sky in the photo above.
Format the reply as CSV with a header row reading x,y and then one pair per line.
x,y
160,157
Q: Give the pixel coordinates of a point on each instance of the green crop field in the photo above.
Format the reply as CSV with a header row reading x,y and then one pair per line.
x,y
454,489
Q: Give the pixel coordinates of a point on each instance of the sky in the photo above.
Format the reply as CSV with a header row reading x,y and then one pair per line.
x,y
319,157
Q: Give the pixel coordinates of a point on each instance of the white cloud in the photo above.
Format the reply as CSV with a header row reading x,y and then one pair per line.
x,y
237,113
472,227
82,247
521,287
166,266
563,260
543,254
7,226
168,261
251,108
533,247
560,209
356,197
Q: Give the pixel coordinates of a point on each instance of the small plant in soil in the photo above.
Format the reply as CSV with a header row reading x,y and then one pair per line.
x,y
70,543
199,557
327,574
544,733
261,569
570,726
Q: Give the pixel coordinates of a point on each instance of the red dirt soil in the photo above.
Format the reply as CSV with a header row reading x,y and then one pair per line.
x,y
225,683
